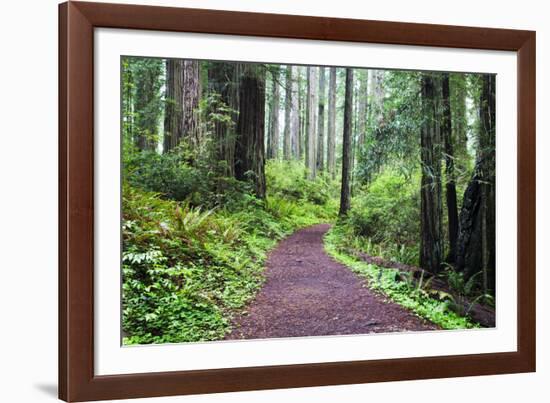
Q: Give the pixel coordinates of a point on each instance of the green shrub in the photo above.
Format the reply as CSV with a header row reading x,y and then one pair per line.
x,y
172,176
411,294
288,180
186,268
387,210
183,268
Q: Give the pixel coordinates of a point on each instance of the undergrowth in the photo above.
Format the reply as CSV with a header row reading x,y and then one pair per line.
x,y
408,294
188,269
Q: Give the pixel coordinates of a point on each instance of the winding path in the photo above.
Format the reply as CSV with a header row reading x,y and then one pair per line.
x,y
307,293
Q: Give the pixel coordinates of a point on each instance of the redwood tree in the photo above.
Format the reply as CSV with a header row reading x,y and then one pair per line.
x,y
173,110
431,242
450,187
331,125
249,150
312,105
191,95
476,239
345,192
288,110
273,144
321,122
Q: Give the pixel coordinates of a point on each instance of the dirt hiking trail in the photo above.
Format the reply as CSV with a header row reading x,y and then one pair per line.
x,y
307,293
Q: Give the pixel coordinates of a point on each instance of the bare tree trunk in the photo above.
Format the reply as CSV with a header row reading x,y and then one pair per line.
x,y
450,187
288,109
476,239
431,247
458,92
321,122
306,119
191,96
312,122
302,113
487,161
275,94
331,132
362,109
249,151
345,192
173,112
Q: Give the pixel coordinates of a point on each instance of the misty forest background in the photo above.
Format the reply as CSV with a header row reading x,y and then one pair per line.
x,y
223,159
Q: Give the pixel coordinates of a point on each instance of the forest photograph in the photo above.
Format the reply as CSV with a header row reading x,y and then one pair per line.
x,y
271,201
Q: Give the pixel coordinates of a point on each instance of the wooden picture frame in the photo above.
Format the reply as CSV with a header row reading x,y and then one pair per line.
x,y
77,21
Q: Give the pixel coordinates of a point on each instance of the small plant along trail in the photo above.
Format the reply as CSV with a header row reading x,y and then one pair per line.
x,y
307,293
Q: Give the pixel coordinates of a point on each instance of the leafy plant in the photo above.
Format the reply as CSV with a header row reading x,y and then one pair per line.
x,y
401,288
188,269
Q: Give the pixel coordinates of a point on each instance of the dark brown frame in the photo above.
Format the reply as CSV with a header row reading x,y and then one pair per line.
x,y
77,21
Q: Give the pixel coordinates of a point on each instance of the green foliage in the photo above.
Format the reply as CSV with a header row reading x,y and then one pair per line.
x,y
288,180
188,269
384,218
173,177
142,103
403,290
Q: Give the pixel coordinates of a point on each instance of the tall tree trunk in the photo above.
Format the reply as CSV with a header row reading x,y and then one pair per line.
x,y
458,92
274,121
331,129
376,83
321,122
191,96
476,240
295,114
249,151
307,112
302,113
345,192
288,108
312,105
450,187
487,143
431,246
362,109
173,110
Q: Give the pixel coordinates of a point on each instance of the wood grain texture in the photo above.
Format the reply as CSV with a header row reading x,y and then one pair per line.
x,y
77,381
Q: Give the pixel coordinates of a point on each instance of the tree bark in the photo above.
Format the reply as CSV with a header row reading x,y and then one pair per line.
x,y
321,122
362,109
287,144
191,96
331,129
487,143
312,105
173,112
249,151
274,121
458,92
431,246
450,187
302,116
476,240
345,192
377,96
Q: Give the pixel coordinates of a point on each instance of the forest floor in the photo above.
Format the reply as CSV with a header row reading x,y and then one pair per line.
x,y
307,293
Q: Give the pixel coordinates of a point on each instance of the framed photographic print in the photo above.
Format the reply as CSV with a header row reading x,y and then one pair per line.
x,y
256,201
